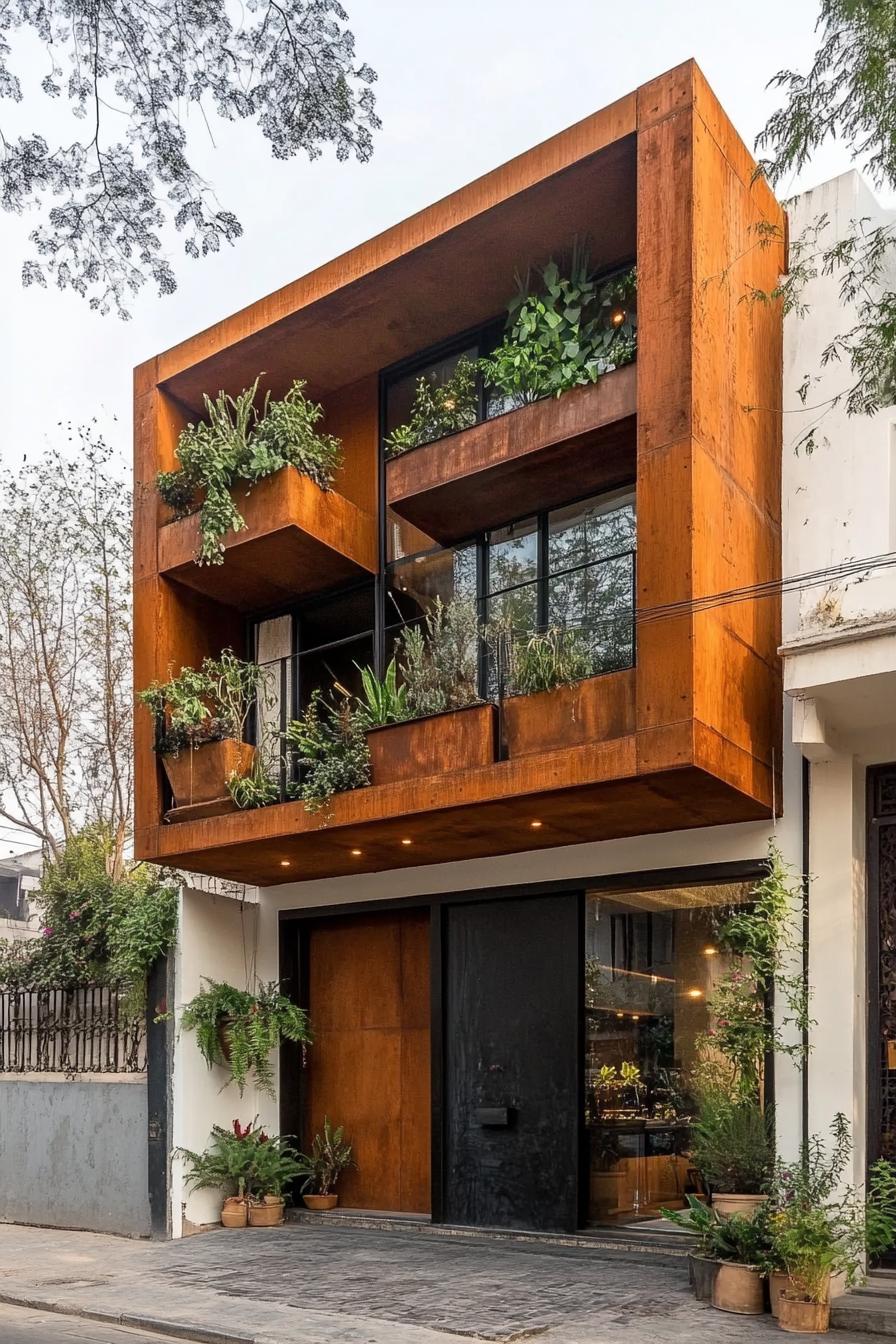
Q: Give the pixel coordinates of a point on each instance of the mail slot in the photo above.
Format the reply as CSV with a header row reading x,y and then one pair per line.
x,y
494,1117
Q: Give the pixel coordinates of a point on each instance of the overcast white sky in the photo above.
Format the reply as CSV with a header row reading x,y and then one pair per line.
x,y
462,87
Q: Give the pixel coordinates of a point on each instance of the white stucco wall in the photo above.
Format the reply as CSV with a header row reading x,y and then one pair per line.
x,y
839,506
839,502
218,939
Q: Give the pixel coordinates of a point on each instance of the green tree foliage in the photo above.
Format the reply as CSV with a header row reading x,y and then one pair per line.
x,y
847,95
135,75
96,928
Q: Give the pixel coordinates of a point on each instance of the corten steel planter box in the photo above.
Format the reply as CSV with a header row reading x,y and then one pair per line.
x,y
200,774
593,710
457,739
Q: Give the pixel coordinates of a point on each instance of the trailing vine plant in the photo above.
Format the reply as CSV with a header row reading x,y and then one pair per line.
x,y
239,1030
766,940
236,444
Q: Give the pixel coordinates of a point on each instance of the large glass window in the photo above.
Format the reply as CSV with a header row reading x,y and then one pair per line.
x,y
571,569
651,964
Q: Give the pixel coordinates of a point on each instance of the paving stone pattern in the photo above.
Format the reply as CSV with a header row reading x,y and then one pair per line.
x,y
488,1290
341,1285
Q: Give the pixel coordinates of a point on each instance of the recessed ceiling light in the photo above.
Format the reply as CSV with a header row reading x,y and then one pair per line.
x,y
636,1017
535,825
284,863
357,853
406,841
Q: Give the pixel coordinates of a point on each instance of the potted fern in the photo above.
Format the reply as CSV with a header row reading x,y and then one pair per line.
x,y
237,1029
200,718
227,1165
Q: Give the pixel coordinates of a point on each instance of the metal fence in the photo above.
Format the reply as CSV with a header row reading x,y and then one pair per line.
x,y
76,1029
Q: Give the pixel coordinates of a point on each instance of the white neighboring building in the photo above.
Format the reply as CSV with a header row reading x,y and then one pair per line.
x,y
839,649
19,880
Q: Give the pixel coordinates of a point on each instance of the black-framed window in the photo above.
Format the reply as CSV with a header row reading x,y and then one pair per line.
x,y
571,568
310,647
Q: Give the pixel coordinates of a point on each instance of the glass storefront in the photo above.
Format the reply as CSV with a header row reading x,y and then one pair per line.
x,y
651,964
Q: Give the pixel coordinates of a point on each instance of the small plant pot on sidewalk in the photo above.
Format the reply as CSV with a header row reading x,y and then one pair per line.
x,y
799,1316
235,1212
703,1273
266,1212
737,1206
457,739
321,1203
777,1282
200,774
738,1289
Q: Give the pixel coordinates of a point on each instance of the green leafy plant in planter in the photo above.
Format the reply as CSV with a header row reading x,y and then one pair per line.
x,y
438,658
203,705
236,444
331,747
732,1145
821,1224
239,1030
382,702
330,1156
562,334
257,788
438,409
540,660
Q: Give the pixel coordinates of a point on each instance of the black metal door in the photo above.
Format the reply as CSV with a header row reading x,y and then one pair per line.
x,y
512,1062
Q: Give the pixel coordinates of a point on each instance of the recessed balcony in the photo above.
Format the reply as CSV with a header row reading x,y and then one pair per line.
x,y
533,458
298,540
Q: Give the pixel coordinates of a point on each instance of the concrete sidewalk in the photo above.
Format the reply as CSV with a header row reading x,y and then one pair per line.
x,y
330,1285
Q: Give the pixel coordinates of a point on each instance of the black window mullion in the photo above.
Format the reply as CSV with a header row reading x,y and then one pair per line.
x,y
541,573
482,605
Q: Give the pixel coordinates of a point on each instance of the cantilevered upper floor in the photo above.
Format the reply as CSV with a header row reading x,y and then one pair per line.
x,y
641,510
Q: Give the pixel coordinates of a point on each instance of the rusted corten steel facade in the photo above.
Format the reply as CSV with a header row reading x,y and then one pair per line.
x,y
691,735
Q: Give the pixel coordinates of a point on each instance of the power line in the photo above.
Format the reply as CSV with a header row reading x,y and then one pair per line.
x,y
770,588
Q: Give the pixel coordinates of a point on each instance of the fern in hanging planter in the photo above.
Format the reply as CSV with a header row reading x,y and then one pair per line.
x,y
238,444
238,1030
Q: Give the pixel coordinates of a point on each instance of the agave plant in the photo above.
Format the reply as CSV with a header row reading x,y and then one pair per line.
x,y
383,701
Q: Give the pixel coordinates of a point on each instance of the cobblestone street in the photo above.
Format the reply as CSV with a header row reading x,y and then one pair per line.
x,y
321,1285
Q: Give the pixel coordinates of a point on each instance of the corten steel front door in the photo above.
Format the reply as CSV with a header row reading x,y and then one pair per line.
x,y
511,1006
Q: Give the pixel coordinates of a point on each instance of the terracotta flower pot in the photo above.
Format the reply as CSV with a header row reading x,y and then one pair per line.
x,y
800,1317
235,1212
457,739
743,1206
322,1203
738,1288
777,1282
267,1212
703,1273
199,774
